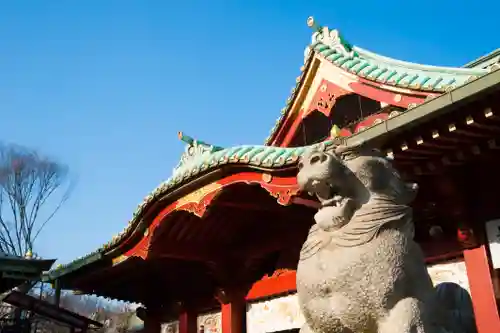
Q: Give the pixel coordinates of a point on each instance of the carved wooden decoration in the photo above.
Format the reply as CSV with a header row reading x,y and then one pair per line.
x,y
325,98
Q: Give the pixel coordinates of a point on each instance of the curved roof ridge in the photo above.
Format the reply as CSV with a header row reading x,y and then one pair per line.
x,y
366,54
195,162
198,158
331,45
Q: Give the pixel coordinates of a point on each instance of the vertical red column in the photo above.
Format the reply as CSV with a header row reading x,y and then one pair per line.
x,y
481,289
187,321
234,315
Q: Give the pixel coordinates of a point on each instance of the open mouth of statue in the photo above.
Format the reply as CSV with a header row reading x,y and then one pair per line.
x,y
328,194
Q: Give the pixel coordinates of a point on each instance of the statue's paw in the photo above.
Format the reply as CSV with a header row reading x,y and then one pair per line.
x,y
329,218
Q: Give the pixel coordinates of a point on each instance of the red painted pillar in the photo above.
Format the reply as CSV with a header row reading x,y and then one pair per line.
x,y
481,289
187,322
234,314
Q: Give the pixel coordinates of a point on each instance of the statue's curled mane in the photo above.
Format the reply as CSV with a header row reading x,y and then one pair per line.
x,y
370,219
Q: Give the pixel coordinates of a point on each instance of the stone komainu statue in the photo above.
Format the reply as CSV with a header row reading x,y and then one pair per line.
x,y
360,271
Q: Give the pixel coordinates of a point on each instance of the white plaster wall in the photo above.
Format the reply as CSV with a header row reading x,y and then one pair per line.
x,y
277,314
212,322
450,272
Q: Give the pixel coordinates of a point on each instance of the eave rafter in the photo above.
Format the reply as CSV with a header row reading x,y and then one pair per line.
x,y
452,143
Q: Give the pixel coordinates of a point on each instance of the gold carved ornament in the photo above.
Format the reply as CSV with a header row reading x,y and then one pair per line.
x,y
196,198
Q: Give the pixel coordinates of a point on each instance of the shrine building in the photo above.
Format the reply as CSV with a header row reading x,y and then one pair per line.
x,y
215,247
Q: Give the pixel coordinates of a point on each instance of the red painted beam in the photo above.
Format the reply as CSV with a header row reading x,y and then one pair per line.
x,y
282,284
246,206
283,131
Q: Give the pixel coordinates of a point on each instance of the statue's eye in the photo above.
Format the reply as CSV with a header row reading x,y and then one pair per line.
x,y
300,165
315,159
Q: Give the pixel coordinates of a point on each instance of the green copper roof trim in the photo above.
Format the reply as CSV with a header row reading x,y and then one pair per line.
x,y
332,46
199,157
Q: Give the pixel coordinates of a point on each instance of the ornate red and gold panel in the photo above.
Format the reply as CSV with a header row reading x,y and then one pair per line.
x,y
325,97
334,83
197,201
328,92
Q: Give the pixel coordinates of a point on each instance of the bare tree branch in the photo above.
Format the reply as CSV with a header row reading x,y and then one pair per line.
x,y
29,183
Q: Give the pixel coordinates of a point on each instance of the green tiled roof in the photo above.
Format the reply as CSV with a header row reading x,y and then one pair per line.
x,y
198,158
332,46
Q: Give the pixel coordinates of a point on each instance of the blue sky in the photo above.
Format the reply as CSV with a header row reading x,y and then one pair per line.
x,y
105,85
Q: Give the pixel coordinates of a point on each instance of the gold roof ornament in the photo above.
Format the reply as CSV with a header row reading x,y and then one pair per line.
x,y
335,131
311,23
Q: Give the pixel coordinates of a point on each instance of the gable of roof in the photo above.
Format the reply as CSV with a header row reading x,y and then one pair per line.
x,y
333,47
